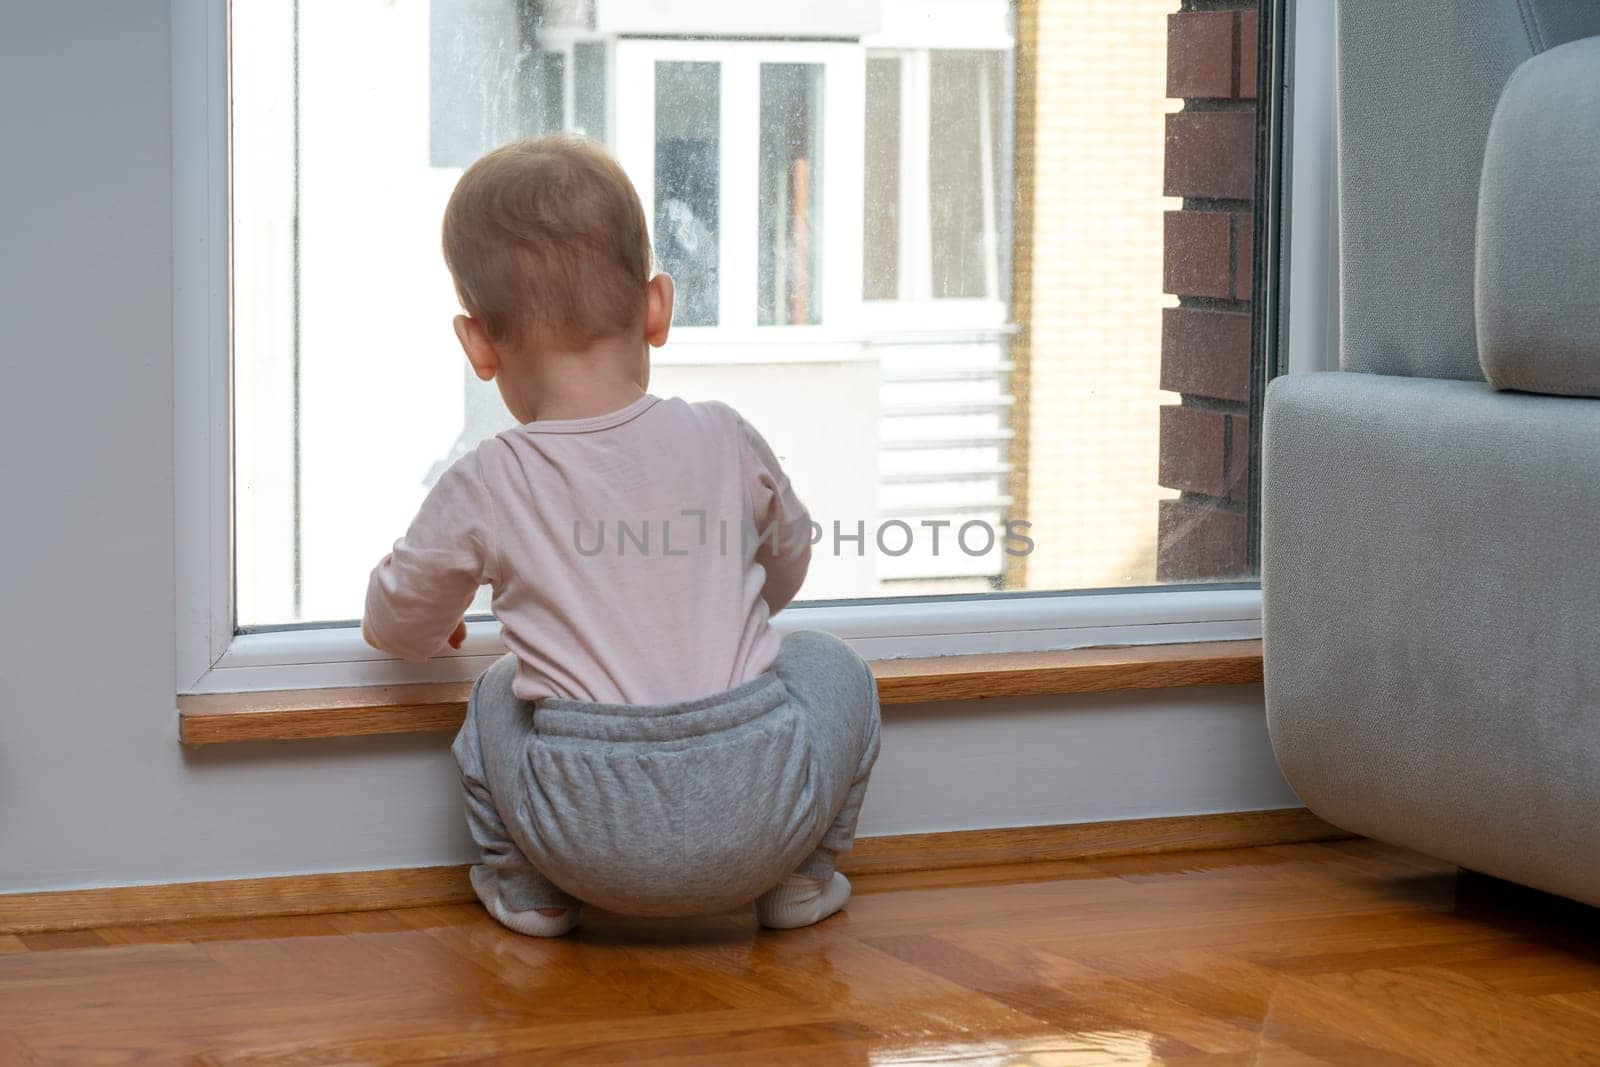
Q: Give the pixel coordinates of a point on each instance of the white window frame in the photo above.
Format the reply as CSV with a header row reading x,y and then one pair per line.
x,y
737,333
211,657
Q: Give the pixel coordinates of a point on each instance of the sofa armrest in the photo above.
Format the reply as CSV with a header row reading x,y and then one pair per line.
x,y
1431,588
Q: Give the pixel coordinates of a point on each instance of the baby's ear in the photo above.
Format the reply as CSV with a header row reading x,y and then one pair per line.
x,y
658,293
475,342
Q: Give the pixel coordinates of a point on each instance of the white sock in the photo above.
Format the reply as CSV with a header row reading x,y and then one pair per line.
x,y
531,922
800,901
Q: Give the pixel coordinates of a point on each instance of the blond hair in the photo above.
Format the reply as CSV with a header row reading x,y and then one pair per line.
x,y
547,243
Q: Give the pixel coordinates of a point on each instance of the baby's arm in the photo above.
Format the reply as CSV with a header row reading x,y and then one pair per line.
x,y
781,521
419,592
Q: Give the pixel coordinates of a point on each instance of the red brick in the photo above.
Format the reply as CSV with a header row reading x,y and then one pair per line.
x,y
1244,252
1201,54
1247,55
1211,154
1194,450
1200,542
1206,353
1197,254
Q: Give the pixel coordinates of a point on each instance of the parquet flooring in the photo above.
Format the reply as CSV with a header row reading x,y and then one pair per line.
x,y
1350,952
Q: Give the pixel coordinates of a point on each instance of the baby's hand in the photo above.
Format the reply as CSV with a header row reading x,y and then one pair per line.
x,y
458,635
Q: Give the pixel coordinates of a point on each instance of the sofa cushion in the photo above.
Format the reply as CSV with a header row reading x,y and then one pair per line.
x,y
1538,252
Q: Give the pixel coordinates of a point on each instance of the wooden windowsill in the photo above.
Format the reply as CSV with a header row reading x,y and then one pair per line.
x,y
402,709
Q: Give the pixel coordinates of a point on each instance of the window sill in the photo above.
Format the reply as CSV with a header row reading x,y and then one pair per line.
x,y
217,718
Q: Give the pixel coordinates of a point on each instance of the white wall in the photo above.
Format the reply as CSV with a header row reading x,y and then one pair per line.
x,y
94,788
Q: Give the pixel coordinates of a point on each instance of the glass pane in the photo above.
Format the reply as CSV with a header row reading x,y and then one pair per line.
x,y
789,252
489,80
589,89
351,124
880,267
964,173
546,93
688,190
1063,341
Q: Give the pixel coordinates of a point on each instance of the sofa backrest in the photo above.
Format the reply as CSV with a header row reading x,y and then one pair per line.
x,y
1418,84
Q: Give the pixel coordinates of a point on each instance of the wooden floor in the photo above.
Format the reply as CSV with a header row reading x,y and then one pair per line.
x,y
1336,953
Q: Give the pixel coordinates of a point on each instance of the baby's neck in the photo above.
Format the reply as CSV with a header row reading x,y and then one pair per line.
x,y
582,401
553,386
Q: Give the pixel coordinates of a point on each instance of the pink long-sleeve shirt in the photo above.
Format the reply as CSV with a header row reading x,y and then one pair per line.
x,y
635,557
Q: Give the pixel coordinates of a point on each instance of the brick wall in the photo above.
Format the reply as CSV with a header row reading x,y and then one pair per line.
x,y
1086,289
1207,262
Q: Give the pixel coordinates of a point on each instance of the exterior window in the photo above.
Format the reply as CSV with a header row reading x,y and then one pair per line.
x,y
964,174
790,251
546,93
589,89
934,177
880,268
688,194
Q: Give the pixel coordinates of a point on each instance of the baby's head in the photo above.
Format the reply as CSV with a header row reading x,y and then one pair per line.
x,y
548,246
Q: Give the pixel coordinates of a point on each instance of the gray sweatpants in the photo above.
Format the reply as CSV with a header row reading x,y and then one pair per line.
x,y
670,809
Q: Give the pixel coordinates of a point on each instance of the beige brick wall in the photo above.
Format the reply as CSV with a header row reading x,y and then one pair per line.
x,y
1088,288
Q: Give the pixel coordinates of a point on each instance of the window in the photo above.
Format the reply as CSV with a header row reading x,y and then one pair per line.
x,y
789,237
473,44
881,236
688,193
983,282
939,217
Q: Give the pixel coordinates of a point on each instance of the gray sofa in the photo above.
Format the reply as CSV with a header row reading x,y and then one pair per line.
x,y
1431,539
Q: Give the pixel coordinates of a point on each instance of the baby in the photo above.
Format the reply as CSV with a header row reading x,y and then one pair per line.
x,y
651,745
